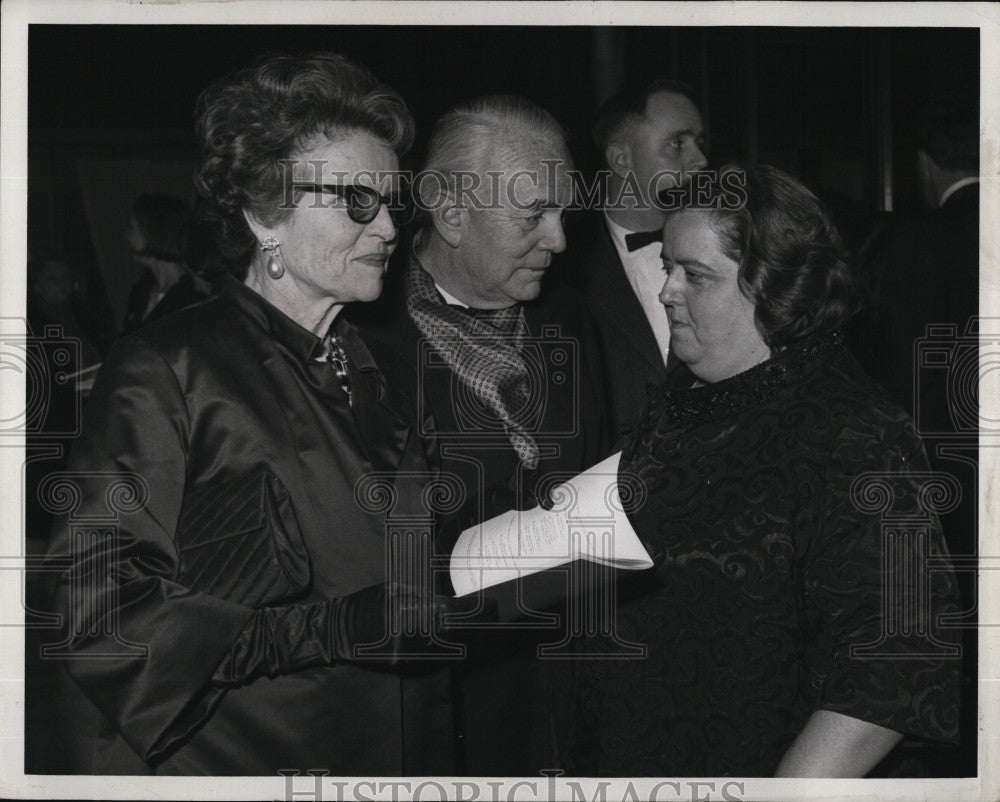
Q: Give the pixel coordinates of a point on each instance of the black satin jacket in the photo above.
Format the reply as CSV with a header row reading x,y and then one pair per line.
x,y
224,390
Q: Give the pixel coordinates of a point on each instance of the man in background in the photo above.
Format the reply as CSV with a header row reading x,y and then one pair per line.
x,y
651,139
157,234
924,269
919,271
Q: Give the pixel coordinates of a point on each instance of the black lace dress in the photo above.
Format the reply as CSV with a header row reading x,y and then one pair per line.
x,y
799,567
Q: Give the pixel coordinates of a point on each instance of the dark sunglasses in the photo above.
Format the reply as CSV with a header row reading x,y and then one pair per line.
x,y
364,203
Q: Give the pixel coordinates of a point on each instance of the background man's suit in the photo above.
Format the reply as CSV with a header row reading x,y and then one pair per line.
x,y
631,356
924,269
919,269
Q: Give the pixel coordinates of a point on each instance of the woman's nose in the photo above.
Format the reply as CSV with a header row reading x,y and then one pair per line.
x,y
383,225
669,293
663,292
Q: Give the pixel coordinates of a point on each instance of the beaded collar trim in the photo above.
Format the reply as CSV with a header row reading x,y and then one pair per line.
x,y
685,404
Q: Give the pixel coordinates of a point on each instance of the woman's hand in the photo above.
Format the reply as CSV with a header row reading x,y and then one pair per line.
x,y
388,625
393,624
834,745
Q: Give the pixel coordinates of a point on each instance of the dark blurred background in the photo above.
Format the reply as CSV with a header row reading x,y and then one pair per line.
x,y
111,106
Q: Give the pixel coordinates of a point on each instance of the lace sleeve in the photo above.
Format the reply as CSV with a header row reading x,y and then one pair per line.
x,y
876,584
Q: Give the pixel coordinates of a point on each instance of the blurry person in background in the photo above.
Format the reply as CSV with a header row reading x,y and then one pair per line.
x,y
157,231
55,299
923,268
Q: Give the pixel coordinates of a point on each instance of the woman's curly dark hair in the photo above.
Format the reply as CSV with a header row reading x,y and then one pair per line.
x,y
251,120
792,263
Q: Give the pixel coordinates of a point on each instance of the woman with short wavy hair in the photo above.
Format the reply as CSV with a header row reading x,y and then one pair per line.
x,y
236,623
788,631
255,124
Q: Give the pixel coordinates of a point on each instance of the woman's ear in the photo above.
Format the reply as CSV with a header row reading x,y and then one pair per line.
x,y
257,228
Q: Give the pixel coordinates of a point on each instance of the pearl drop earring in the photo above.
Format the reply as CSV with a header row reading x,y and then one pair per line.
x,y
275,268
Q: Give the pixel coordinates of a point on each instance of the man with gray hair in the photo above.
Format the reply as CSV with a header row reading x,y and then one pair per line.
x,y
508,367
494,189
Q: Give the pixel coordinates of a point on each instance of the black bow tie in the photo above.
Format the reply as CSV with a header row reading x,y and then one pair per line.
x,y
640,239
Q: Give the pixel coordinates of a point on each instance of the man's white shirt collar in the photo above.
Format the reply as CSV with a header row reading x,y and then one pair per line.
x,y
644,270
449,299
618,234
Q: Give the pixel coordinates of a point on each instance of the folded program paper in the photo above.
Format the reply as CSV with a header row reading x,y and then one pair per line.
x,y
586,522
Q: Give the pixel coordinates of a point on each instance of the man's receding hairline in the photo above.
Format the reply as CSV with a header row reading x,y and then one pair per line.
x,y
684,98
508,145
628,125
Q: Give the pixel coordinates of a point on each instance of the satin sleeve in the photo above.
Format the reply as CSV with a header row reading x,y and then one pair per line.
x,y
876,583
138,643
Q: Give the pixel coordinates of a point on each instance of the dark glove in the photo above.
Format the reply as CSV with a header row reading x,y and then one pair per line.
x,y
495,500
387,625
518,492
394,624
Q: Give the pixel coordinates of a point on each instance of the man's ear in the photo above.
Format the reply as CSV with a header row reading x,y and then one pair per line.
x,y
619,158
449,220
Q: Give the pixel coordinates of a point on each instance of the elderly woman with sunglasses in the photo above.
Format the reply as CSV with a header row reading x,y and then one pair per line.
x,y
249,456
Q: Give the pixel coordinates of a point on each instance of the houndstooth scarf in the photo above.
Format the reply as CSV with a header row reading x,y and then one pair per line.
x,y
483,348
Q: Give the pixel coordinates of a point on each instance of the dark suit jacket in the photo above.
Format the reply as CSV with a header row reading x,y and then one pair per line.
x,y
923,269
631,355
920,269
503,715
223,390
